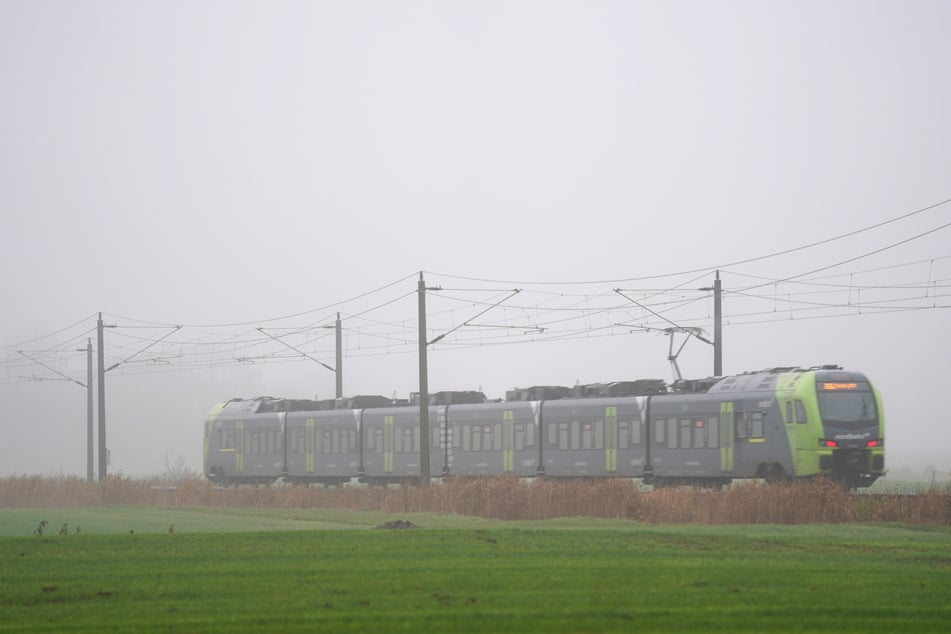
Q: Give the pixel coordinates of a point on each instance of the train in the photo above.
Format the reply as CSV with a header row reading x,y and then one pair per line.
x,y
774,424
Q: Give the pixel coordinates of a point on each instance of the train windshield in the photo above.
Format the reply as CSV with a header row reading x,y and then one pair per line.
x,y
847,404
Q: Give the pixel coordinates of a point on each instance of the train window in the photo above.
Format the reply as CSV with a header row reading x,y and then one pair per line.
x,y
801,413
623,434
635,432
476,438
497,433
403,441
599,434
575,435
659,426
519,437
699,432
260,442
563,436
552,434
789,418
672,433
466,445
749,425
756,425
685,432
529,434
587,433
226,438
713,432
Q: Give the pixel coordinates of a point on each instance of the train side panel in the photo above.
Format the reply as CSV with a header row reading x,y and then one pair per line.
x,y
323,446
686,438
595,437
245,448
391,442
492,439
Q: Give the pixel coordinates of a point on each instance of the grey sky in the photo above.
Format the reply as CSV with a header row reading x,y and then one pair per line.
x,y
215,163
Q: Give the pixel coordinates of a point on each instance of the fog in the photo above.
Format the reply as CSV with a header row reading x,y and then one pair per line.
x,y
220,179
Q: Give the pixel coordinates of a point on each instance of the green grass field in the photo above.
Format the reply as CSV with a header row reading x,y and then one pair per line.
x,y
228,570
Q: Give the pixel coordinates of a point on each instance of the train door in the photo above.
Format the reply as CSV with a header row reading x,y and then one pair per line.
x,y
239,447
508,441
309,444
787,416
726,437
388,444
610,439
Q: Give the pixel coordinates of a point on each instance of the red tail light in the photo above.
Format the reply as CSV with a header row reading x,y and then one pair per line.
x,y
828,443
874,443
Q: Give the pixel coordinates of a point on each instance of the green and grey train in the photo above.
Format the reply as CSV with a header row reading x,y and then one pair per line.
x,y
774,424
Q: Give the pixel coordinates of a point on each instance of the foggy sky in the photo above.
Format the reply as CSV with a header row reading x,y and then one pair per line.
x,y
221,165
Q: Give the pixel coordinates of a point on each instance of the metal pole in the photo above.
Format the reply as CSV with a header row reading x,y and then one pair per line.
x,y
339,365
102,402
90,476
423,389
717,328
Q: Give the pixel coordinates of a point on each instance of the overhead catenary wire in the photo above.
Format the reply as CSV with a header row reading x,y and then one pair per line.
x,y
552,314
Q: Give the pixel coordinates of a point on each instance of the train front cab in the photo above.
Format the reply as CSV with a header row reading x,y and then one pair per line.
x,y
834,420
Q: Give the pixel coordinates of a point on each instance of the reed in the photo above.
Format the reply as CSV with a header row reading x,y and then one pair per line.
x,y
509,498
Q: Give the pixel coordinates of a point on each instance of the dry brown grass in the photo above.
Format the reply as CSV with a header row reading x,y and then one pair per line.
x,y
800,502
